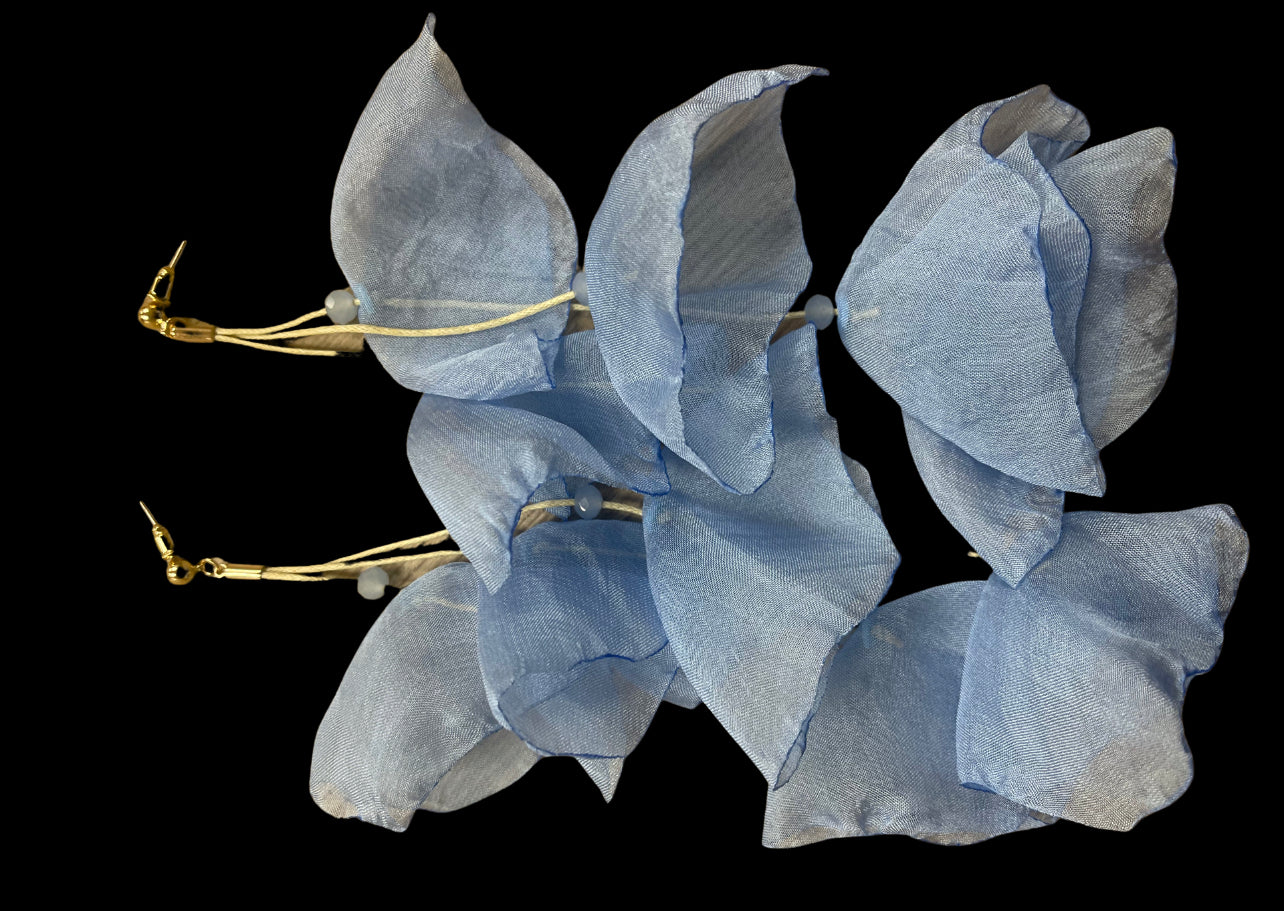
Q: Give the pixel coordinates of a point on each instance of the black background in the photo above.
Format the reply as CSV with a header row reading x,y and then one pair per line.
x,y
227,128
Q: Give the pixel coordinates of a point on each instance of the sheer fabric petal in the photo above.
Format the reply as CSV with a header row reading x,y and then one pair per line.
x,y
1074,680
572,651
956,326
440,221
756,591
699,230
941,307
410,725
481,462
880,749
1012,524
1123,190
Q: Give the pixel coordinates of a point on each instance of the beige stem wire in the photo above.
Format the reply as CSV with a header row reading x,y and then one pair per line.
x,y
314,572
259,338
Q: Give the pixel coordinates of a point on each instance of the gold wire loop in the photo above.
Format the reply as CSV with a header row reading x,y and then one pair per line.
x,y
152,314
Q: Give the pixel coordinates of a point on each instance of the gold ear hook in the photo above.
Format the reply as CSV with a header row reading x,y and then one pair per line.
x,y
180,571
153,316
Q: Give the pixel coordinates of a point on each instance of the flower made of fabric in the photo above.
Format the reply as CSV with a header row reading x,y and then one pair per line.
x,y
1016,300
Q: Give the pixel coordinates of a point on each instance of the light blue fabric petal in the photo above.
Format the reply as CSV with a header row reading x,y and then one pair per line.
x,y
605,774
950,301
880,749
1010,523
572,651
681,692
1064,245
756,591
584,400
699,229
481,462
440,221
1074,681
1123,190
410,726
956,327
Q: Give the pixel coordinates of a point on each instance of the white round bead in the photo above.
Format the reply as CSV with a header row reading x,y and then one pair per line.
x,y
819,311
341,306
371,583
588,502
579,284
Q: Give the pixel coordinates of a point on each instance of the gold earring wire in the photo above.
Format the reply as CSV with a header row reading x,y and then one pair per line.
x,y
152,314
180,571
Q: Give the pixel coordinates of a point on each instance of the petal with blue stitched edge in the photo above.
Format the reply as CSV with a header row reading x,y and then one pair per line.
x,y
410,725
1010,523
572,651
699,229
956,327
756,591
481,462
880,749
1074,680
1123,190
439,221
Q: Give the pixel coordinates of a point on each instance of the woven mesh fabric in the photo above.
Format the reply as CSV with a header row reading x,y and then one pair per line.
x,y
440,221
880,748
1009,522
1123,190
481,462
1015,298
699,229
572,651
1074,680
410,725
755,591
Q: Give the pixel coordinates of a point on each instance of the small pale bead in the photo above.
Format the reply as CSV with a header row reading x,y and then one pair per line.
x,y
341,306
819,311
371,583
588,502
579,284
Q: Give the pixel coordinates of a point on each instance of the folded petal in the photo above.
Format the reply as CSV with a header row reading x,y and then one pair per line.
x,y
1064,245
699,228
956,326
756,591
605,774
410,725
1074,680
481,462
573,654
1123,190
439,221
1010,523
880,749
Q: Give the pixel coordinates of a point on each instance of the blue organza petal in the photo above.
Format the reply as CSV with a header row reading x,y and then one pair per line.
x,y
410,726
572,651
956,326
440,221
755,591
1010,523
584,400
699,230
880,749
481,462
1123,190
1064,245
963,295
1074,680
605,774
681,692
